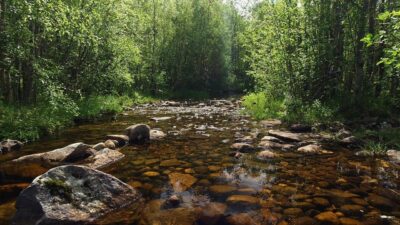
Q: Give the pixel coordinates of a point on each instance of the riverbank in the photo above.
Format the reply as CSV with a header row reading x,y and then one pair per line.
x,y
29,123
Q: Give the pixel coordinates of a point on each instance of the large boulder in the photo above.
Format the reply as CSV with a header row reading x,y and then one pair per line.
x,y
10,145
77,150
138,134
72,195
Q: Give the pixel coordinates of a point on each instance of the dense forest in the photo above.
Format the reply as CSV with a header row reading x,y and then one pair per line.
x,y
304,60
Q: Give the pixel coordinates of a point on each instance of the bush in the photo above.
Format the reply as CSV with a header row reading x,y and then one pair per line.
x,y
262,106
95,106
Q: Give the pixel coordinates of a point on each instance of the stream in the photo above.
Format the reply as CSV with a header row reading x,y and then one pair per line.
x,y
237,189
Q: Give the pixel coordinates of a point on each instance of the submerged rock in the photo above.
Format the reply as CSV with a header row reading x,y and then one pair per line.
x,y
212,213
242,219
72,195
181,182
10,145
242,147
327,217
138,134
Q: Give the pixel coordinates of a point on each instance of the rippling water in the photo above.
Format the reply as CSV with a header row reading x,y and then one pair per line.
x,y
292,187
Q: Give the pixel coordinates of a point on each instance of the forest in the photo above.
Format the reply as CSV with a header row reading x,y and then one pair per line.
x,y
307,60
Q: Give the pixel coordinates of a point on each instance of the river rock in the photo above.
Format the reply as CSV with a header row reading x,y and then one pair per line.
x,y
99,146
304,220
56,156
10,145
271,123
266,154
313,150
155,214
352,210
381,202
349,221
295,212
222,189
157,135
79,153
243,200
394,155
138,134
286,136
111,144
181,182
212,213
103,158
242,219
242,147
170,162
300,128
270,145
72,195
121,139
271,138
327,218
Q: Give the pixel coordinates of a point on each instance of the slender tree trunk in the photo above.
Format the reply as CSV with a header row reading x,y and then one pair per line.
x,y
359,56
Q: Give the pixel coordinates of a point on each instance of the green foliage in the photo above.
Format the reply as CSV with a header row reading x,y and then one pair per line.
x,y
386,137
262,106
376,148
94,106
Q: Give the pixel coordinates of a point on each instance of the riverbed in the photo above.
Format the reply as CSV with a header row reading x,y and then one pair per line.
x,y
289,188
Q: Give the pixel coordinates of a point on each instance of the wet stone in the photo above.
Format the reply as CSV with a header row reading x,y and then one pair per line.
x,y
242,147
305,220
170,162
381,202
243,200
242,219
181,182
321,202
349,221
352,210
327,217
151,174
212,213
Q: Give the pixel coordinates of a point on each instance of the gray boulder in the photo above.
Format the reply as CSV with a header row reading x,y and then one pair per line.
x,y
72,195
138,134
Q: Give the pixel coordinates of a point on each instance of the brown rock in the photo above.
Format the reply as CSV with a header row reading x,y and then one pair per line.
x,y
349,221
243,199
352,210
242,147
242,219
293,212
222,189
212,213
287,136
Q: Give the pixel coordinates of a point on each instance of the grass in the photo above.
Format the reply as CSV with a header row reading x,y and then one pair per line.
x,y
29,123
387,138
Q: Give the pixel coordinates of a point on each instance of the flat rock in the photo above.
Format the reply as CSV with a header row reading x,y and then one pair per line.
x,y
65,195
271,123
222,189
181,182
103,158
243,199
170,162
242,219
327,217
53,157
270,145
286,136
271,138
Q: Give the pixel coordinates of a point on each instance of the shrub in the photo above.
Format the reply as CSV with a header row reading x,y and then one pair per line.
x,y
262,106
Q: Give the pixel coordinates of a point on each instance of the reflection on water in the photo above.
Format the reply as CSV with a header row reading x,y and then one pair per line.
x,y
291,187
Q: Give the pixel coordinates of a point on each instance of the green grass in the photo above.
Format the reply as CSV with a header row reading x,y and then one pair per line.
x,y
389,138
28,123
262,106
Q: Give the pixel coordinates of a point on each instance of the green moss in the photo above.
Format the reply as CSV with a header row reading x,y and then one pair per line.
x,y
60,188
